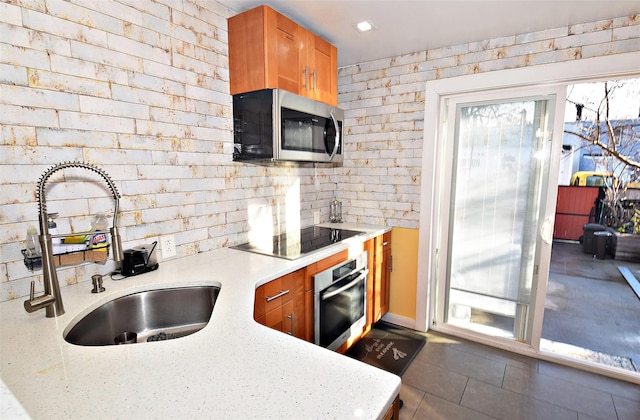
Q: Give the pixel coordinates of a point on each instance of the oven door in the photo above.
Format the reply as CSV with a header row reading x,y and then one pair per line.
x,y
340,309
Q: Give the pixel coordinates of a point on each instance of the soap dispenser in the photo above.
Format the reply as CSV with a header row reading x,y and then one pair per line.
x,y
33,246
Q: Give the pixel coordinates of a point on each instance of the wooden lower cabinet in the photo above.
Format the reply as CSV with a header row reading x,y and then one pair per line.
x,y
287,303
382,279
280,304
393,413
378,284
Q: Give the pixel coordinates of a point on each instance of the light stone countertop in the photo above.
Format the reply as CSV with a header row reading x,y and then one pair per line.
x,y
234,368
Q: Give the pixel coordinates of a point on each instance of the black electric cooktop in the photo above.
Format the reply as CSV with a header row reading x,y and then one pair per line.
x,y
298,244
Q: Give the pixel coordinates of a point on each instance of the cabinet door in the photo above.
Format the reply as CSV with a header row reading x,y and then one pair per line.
x,y
294,310
387,267
280,304
286,64
274,319
370,247
322,58
381,276
248,52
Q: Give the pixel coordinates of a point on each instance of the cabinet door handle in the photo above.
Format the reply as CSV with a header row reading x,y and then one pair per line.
x,y
314,80
390,263
385,243
306,77
282,293
293,326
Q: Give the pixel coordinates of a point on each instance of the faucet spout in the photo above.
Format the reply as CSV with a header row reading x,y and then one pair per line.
x,y
51,300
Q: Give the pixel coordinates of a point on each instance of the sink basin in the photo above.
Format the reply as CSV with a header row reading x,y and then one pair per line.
x,y
151,315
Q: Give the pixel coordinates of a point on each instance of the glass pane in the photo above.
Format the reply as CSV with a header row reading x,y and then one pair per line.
x,y
498,162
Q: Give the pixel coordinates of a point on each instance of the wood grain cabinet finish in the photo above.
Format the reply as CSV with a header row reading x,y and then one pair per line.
x,y
279,304
286,303
378,284
382,280
393,413
267,51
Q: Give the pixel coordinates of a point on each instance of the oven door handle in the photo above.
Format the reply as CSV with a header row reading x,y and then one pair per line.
x,y
363,274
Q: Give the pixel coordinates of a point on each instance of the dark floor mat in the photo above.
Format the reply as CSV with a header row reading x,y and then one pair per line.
x,y
388,347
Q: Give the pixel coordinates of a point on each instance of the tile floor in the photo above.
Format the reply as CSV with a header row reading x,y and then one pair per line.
x,y
456,379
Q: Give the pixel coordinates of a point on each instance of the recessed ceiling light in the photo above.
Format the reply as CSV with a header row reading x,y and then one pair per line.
x,y
364,26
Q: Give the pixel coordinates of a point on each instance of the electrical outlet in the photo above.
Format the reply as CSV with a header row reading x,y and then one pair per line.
x,y
316,217
168,246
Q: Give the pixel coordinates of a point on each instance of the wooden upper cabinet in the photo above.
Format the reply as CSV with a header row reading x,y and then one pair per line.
x,y
284,54
268,50
323,59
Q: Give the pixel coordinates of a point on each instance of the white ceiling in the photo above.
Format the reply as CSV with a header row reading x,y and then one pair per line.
x,y
407,26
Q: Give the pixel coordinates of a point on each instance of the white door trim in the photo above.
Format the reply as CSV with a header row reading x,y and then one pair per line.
x,y
589,69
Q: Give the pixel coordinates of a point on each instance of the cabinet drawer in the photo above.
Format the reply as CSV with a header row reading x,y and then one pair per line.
x,y
271,295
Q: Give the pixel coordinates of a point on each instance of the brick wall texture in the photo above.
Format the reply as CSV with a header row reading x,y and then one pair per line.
x,y
140,89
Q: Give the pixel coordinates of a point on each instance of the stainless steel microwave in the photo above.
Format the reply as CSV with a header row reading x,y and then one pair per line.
x,y
276,125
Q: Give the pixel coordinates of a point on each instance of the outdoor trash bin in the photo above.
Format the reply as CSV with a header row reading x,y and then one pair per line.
x,y
602,239
588,240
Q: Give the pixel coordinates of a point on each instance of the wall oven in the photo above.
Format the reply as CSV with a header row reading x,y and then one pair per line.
x,y
340,300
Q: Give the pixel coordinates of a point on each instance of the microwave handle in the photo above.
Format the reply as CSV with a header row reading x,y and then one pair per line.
x,y
335,147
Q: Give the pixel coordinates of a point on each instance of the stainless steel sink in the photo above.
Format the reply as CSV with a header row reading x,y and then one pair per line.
x,y
151,315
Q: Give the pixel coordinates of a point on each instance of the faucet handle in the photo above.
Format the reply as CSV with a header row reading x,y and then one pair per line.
x,y
34,303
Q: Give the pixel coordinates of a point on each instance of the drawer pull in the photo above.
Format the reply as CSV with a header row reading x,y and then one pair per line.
x,y
291,317
282,293
385,243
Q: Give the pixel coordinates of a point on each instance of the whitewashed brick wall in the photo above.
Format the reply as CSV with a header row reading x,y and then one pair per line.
x,y
384,102
141,89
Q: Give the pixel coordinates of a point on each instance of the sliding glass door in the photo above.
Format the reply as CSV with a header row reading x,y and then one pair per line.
x,y
498,225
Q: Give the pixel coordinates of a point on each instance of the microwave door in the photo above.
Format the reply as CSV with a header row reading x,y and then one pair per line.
x,y
302,136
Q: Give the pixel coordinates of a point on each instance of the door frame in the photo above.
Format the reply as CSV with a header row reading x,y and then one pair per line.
x,y
563,73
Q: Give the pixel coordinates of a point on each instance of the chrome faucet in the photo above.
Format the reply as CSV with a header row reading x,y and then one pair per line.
x,y
52,299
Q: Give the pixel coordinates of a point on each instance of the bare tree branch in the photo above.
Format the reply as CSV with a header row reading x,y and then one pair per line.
x,y
613,152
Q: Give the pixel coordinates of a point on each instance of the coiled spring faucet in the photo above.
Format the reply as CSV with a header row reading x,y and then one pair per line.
x,y
52,299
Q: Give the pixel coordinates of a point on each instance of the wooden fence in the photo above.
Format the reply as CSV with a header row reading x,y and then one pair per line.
x,y
575,207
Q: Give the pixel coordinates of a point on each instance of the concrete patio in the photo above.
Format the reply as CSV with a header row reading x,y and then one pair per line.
x,y
591,306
